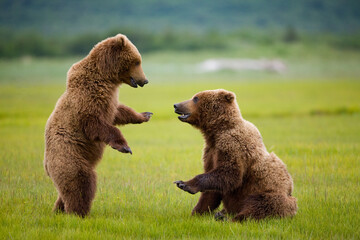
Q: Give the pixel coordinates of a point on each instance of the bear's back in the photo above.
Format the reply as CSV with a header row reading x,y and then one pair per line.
x,y
264,170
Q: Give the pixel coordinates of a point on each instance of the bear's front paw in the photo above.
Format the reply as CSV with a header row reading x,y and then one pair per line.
x,y
146,116
121,147
125,149
180,184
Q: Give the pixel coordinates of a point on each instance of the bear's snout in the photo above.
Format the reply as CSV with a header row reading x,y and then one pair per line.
x,y
141,84
134,83
181,109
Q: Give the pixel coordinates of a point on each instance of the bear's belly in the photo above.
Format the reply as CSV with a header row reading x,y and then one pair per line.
x,y
233,202
71,145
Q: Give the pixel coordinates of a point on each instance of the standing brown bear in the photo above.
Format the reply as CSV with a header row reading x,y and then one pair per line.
x,y
239,171
83,120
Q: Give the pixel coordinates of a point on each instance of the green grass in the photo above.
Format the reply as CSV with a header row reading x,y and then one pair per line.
x,y
313,125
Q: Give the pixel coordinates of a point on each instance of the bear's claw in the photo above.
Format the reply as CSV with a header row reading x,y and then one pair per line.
x,y
180,184
147,115
126,150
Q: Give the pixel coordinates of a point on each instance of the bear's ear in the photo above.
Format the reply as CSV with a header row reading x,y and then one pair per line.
x,y
229,97
108,53
122,40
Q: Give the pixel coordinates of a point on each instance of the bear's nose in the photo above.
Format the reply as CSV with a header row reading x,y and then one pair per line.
x,y
146,81
175,106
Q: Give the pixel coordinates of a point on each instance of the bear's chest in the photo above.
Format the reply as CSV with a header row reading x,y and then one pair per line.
x,y
107,108
210,159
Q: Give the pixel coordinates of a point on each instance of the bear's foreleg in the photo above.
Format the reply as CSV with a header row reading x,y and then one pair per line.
x,y
97,130
221,179
126,115
208,202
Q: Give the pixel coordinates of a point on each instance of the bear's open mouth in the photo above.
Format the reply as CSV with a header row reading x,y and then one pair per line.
x,y
133,83
183,116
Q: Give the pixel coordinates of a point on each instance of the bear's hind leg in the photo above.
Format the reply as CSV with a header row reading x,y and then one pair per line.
x,y
208,202
262,205
79,193
59,205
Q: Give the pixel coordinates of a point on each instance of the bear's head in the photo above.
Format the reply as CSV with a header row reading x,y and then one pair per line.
x,y
209,109
119,60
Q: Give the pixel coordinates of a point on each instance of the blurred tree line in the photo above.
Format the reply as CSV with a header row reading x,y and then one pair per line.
x,y
31,43
72,17
65,27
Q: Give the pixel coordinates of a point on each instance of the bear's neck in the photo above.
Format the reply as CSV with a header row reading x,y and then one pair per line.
x,y
211,131
217,126
85,75
101,93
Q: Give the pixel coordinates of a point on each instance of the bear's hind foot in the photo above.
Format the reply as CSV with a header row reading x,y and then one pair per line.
x,y
59,206
220,216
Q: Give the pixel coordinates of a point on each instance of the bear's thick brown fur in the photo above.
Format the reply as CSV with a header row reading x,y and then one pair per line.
x,y
83,120
239,171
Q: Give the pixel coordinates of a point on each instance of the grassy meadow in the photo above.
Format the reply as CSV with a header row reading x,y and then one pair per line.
x,y
309,116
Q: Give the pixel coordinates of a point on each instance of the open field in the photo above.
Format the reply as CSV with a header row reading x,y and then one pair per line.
x,y
310,117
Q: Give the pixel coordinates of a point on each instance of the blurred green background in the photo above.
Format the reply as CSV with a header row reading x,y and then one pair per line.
x,y
63,28
308,112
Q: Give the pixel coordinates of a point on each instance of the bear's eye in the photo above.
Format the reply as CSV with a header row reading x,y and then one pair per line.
x,y
195,99
137,63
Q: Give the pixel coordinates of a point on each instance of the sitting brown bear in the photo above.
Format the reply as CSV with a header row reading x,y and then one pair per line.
x,y
84,117
239,171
